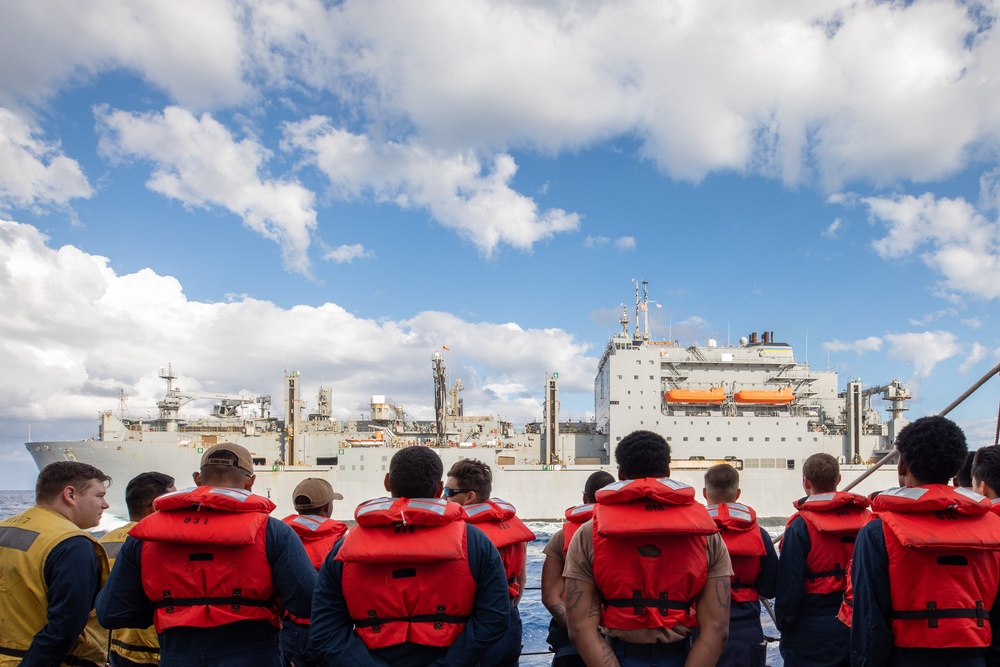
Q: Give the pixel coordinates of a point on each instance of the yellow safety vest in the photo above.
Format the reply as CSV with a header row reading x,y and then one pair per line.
x,y
25,543
137,645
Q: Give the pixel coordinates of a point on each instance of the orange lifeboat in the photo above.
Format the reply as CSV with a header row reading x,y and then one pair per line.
x,y
714,395
782,396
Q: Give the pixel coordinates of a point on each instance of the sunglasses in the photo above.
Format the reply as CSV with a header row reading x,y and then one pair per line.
x,y
448,493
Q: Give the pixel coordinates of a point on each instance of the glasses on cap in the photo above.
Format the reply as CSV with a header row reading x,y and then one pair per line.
x,y
448,493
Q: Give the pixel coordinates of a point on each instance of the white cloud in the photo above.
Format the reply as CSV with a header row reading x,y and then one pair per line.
x,y
930,317
869,344
622,243
952,237
460,191
625,243
194,51
843,90
833,228
977,352
348,253
974,322
834,90
34,172
200,163
989,190
924,350
61,364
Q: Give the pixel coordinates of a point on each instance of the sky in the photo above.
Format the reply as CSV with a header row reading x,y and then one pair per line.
x,y
238,189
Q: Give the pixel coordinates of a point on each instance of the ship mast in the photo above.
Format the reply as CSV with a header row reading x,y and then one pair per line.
x,y
440,397
170,404
641,306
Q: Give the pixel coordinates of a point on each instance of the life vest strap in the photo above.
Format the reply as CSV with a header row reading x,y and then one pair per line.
x,y
135,647
12,652
838,571
932,614
374,621
236,601
738,584
638,603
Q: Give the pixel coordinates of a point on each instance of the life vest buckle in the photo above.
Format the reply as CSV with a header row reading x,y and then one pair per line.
x,y
237,594
373,617
439,622
169,607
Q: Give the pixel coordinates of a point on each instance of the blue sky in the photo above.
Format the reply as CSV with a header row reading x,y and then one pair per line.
x,y
344,188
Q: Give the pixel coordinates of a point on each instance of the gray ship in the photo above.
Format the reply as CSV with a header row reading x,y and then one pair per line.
x,y
750,405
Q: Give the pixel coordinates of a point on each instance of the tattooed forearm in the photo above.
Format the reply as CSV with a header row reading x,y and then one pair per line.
x,y
608,657
595,604
722,592
573,594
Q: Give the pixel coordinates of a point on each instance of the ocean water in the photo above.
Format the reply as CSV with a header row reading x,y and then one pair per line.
x,y
533,613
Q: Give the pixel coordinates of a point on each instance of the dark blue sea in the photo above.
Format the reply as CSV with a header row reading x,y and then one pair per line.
x,y
533,614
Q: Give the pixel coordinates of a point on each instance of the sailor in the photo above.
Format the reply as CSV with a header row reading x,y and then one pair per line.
x,y
926,568
313,500
755,566
566,654
964,477
812,569
411,584
132,646
470,484
985,475
211,570
638,569
51,570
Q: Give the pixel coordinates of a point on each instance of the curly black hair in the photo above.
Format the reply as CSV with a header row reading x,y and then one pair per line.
x,y
933,448
643,454
597,481
986,467
414,472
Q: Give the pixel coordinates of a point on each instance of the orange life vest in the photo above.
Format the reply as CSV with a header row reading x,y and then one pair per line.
x,y
943,549
833,521
406,574
318,535
740,532
575,517
497,518
995,505
204,558
846,612
650,553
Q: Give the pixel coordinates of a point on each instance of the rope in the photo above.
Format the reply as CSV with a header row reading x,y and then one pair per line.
x,y
996,438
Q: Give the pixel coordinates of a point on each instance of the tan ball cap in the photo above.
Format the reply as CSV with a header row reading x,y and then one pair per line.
x,y
243,459
313,492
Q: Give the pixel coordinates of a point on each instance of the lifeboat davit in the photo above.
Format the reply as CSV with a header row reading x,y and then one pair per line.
x,y
782,396
715,395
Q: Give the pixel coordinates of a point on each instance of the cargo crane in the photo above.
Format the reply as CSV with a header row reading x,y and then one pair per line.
x,y
229,405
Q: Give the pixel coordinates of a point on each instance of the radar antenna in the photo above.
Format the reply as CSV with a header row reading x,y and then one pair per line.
x,y
122,403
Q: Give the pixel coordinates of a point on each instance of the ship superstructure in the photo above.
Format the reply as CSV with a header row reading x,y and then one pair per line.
x,y
751,401
750,404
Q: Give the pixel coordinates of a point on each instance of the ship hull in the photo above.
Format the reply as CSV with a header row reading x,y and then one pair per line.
x,y
539,492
